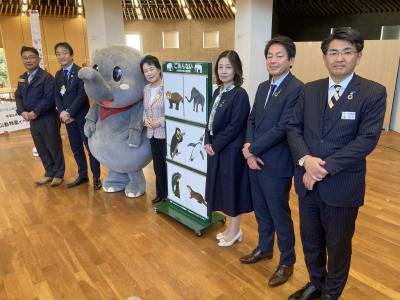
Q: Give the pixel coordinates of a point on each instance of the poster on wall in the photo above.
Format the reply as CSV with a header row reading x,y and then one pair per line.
x,y
9,119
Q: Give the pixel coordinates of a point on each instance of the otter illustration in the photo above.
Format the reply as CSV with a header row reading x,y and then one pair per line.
x,y
175,184
197,149
174,97
199,198
197,98
176,139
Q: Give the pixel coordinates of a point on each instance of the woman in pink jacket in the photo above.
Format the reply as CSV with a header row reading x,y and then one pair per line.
x,y
154,120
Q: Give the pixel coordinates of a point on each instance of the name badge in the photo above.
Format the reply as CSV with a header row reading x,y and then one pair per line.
x,y
21,80
348,115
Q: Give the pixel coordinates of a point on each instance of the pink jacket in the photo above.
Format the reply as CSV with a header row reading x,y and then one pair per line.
x,y
155,112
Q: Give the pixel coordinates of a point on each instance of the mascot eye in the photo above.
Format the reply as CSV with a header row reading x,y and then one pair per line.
x,y
96,67
117,74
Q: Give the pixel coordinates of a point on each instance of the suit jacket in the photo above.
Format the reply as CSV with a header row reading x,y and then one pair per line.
x,y
38,95
229,125
342,137
74,101
266,128
154,111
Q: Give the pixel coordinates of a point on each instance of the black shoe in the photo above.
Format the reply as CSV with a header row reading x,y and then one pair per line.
x,y
97,183
77,182
157,200
308,292
255,256
327,297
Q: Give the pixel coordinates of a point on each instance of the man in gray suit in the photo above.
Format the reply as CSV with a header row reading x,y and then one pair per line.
x,y
336,124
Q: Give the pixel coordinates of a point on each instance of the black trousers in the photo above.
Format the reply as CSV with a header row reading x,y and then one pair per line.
x,y
326,234
77,139
159,152
45,131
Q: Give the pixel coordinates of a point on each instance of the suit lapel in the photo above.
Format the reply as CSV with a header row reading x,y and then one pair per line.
x,y
322,99
71,79
278,94
260,103
352,88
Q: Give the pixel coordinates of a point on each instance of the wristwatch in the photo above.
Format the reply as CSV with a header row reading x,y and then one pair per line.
x,y
302,160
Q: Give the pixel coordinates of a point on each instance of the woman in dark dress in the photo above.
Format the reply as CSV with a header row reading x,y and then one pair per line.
x,y
227,183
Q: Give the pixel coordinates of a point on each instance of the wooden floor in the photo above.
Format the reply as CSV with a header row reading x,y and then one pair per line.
x,y
80,244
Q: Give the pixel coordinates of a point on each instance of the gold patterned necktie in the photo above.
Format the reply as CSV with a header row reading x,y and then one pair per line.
x,y
335,97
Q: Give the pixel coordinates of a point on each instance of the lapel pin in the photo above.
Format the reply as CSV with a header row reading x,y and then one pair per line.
x,y
276,94
350,96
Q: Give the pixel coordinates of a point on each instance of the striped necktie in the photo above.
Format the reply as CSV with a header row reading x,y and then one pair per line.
x,y
335,97
30,77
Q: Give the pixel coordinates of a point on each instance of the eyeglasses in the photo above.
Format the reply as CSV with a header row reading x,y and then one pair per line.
x,y
344,52
29,58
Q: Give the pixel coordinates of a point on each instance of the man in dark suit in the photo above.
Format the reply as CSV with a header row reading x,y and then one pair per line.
x,y
336,124
35,103
73,105
268,156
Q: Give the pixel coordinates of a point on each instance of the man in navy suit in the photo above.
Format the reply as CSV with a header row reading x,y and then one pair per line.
x,y
73,105
268,156
336,124
35,103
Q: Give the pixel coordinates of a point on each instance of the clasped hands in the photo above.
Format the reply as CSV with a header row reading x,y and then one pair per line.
x,y
315,171
65,117
29,116
151,124
254,162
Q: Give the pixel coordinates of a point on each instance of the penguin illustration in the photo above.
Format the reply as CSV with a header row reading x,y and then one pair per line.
x,y
197,149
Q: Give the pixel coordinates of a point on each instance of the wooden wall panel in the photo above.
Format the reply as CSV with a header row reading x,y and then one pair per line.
x,y
16,32
380,62
53,33
13,40
190,38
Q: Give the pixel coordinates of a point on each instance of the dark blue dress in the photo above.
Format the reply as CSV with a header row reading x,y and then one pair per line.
x,y
228,183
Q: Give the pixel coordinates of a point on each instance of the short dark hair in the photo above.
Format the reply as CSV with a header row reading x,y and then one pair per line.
x,y
346,34
283,40
236,63
150,60
30,49
64,45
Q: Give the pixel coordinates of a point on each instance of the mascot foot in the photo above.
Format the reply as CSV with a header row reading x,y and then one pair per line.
x,y
133,195
111,189
136,186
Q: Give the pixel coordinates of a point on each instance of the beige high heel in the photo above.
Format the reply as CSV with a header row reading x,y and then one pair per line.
x,y
238,238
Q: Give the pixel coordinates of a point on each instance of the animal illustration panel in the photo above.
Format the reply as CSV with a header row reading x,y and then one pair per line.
x,y
173,95
196,157
187,188
176,141
195,94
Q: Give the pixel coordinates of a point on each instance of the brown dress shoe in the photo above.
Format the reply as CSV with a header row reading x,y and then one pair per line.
x,y
255,256
281,275
43,180
56,181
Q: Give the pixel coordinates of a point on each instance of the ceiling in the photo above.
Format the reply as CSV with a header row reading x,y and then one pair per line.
x,y
204,9
295,8
132,9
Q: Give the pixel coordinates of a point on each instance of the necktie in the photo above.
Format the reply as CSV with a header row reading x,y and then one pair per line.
x,y
271,92
335,97
30,77
66,75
